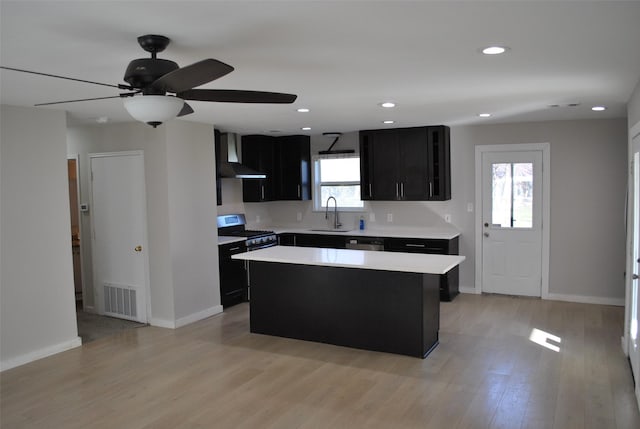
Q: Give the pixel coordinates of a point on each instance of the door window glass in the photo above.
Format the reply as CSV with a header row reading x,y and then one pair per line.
x,y
512,195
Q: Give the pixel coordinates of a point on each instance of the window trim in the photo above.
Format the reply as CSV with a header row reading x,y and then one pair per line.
x,y
317,202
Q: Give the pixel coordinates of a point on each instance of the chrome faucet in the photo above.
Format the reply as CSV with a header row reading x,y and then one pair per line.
x,y
336,223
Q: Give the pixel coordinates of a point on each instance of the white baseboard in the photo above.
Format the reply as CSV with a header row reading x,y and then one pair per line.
x,y
467,289
39,354
162,323
586,299
183,321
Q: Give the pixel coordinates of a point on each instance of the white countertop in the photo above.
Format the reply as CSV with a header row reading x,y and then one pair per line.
x,y
442,233
399,232
362,259
225,239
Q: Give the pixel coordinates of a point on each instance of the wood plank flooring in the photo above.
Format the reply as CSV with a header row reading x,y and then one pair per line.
x,y
485,373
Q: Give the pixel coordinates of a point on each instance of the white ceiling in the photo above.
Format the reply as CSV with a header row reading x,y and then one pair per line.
x,y
342,58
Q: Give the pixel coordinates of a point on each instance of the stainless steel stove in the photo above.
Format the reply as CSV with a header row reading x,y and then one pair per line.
x,y
234,225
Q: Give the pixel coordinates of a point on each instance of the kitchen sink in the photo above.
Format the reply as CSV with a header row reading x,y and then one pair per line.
x,y
330,230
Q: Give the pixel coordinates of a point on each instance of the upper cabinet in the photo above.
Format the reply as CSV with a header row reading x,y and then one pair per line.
x,y
286,161
405,164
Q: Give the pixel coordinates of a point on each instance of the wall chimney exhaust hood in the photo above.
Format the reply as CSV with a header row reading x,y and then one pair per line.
x,y
230,166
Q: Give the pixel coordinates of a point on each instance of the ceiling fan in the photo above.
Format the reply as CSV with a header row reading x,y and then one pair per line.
x,y
151,80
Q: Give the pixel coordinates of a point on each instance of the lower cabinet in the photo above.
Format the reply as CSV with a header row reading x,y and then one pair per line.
x,y
448,283
233,276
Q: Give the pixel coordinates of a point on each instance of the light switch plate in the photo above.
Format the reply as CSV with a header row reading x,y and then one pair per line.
x,y
470,207
299,216
372,217
389,217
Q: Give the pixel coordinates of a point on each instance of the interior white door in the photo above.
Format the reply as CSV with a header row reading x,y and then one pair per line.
x,y
634,352
119,230
512,222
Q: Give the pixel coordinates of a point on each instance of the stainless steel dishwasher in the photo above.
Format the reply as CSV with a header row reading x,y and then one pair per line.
x,y
365,243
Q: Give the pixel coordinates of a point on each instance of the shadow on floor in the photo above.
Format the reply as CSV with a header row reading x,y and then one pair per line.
x,y
92,326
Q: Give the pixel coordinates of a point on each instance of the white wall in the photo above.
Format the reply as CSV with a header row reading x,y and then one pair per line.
x,y
179,163
37,300
633,107
192,215
588,185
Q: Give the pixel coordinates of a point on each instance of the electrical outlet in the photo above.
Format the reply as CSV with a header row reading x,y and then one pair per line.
x,y
372,217
447,218
470,207
389,217
299,216
257,218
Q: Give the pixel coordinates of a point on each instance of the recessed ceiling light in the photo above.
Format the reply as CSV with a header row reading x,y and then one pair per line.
x,y
102,120
554,105
305,128
388,122
573,104
494,50
303,110
598,108
388,104
484,115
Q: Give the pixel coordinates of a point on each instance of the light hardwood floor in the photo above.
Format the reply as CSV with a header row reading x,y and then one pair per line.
x,y
485,373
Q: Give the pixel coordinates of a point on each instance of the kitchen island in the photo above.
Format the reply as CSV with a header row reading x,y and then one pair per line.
x,y
371,300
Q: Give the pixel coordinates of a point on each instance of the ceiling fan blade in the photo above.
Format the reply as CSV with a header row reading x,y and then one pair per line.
x,y
186,110
67,78
128,94
237,96
191,76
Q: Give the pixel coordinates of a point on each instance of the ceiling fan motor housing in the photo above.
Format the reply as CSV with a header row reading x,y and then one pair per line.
x,y
141,73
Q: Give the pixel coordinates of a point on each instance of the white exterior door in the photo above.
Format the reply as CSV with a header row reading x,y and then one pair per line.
x,y
118,216
512,222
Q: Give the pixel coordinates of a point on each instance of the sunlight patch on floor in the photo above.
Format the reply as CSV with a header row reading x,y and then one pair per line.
x,y
542,338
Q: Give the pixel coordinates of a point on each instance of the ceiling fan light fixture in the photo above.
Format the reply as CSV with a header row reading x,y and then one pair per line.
x,y
153,109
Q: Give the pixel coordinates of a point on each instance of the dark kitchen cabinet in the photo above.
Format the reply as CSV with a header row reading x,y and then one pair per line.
x,y
216,134
286,161
233,277
258,152
293,158
320,240
405,164
448,282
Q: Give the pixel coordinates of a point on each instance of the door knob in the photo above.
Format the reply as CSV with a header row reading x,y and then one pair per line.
x,y
635,277
486,234
486,224
138,249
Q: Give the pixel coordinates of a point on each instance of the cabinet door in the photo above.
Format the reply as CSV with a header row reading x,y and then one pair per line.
x,y
382,180
216,140
321,240
293,175
258,153
413,164
440,164
233,277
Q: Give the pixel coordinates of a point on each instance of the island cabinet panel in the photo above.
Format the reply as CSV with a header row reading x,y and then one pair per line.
x,y
448,282
286,160
385,311
405,164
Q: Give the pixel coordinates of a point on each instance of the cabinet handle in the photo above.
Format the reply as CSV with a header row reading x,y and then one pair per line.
x,y
262,191
234,248
431,189
298,191
402,189
371,194
397,193
414,245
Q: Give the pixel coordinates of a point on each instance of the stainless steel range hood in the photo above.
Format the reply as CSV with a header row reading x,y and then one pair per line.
x,y
230,166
